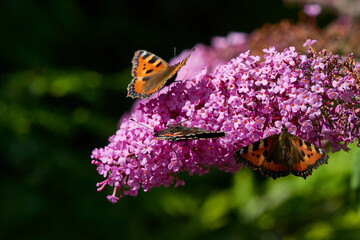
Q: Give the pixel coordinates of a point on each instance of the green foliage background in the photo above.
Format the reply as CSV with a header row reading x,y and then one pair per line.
x,y
65,65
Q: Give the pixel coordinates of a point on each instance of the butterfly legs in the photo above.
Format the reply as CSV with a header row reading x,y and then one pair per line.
x,y
179,123
177,158
187,146
192,149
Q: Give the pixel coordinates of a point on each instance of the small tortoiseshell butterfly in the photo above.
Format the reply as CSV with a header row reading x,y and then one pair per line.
x,y
279,154
151,73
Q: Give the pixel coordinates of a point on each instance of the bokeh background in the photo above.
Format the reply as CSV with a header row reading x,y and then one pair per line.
x,y
65,66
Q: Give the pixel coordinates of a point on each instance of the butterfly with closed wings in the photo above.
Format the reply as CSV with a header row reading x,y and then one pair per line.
x,y
176,132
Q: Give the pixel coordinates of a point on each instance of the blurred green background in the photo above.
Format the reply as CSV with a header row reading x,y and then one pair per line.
x,y
65,66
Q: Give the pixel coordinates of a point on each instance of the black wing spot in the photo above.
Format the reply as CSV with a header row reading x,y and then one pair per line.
x,y
266,152
255,146
146,55
146,79
153,59
308,145
302,153
245,150
266,143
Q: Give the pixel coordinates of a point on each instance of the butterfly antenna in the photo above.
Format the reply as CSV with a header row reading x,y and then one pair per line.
x,y
143,152
142,124
174,51
179,123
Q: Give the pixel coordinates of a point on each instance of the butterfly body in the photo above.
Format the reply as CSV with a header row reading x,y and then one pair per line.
x,y
181,133
281,154
150,74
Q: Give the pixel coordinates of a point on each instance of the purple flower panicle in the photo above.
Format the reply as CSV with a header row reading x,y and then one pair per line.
x,y
316,96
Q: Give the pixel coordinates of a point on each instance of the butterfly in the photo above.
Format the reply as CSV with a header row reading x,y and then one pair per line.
x,y
150,74
176,132
181,133
279,154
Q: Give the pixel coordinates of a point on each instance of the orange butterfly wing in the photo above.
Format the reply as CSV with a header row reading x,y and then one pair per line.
x,y
146,63
262,155
150,74
277,155
148,70
307,157
175,68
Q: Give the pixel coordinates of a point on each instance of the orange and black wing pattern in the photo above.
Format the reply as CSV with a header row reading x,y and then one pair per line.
x,y
282,154
146,63
306,157
263,155
150,73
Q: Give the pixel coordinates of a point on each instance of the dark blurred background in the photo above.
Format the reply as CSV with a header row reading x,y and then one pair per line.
x,y
65,66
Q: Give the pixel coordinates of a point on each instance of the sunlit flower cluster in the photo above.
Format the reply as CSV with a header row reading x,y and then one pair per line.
x,y
315,95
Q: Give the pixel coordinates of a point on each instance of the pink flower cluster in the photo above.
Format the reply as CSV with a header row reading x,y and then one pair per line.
x,y
316,96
